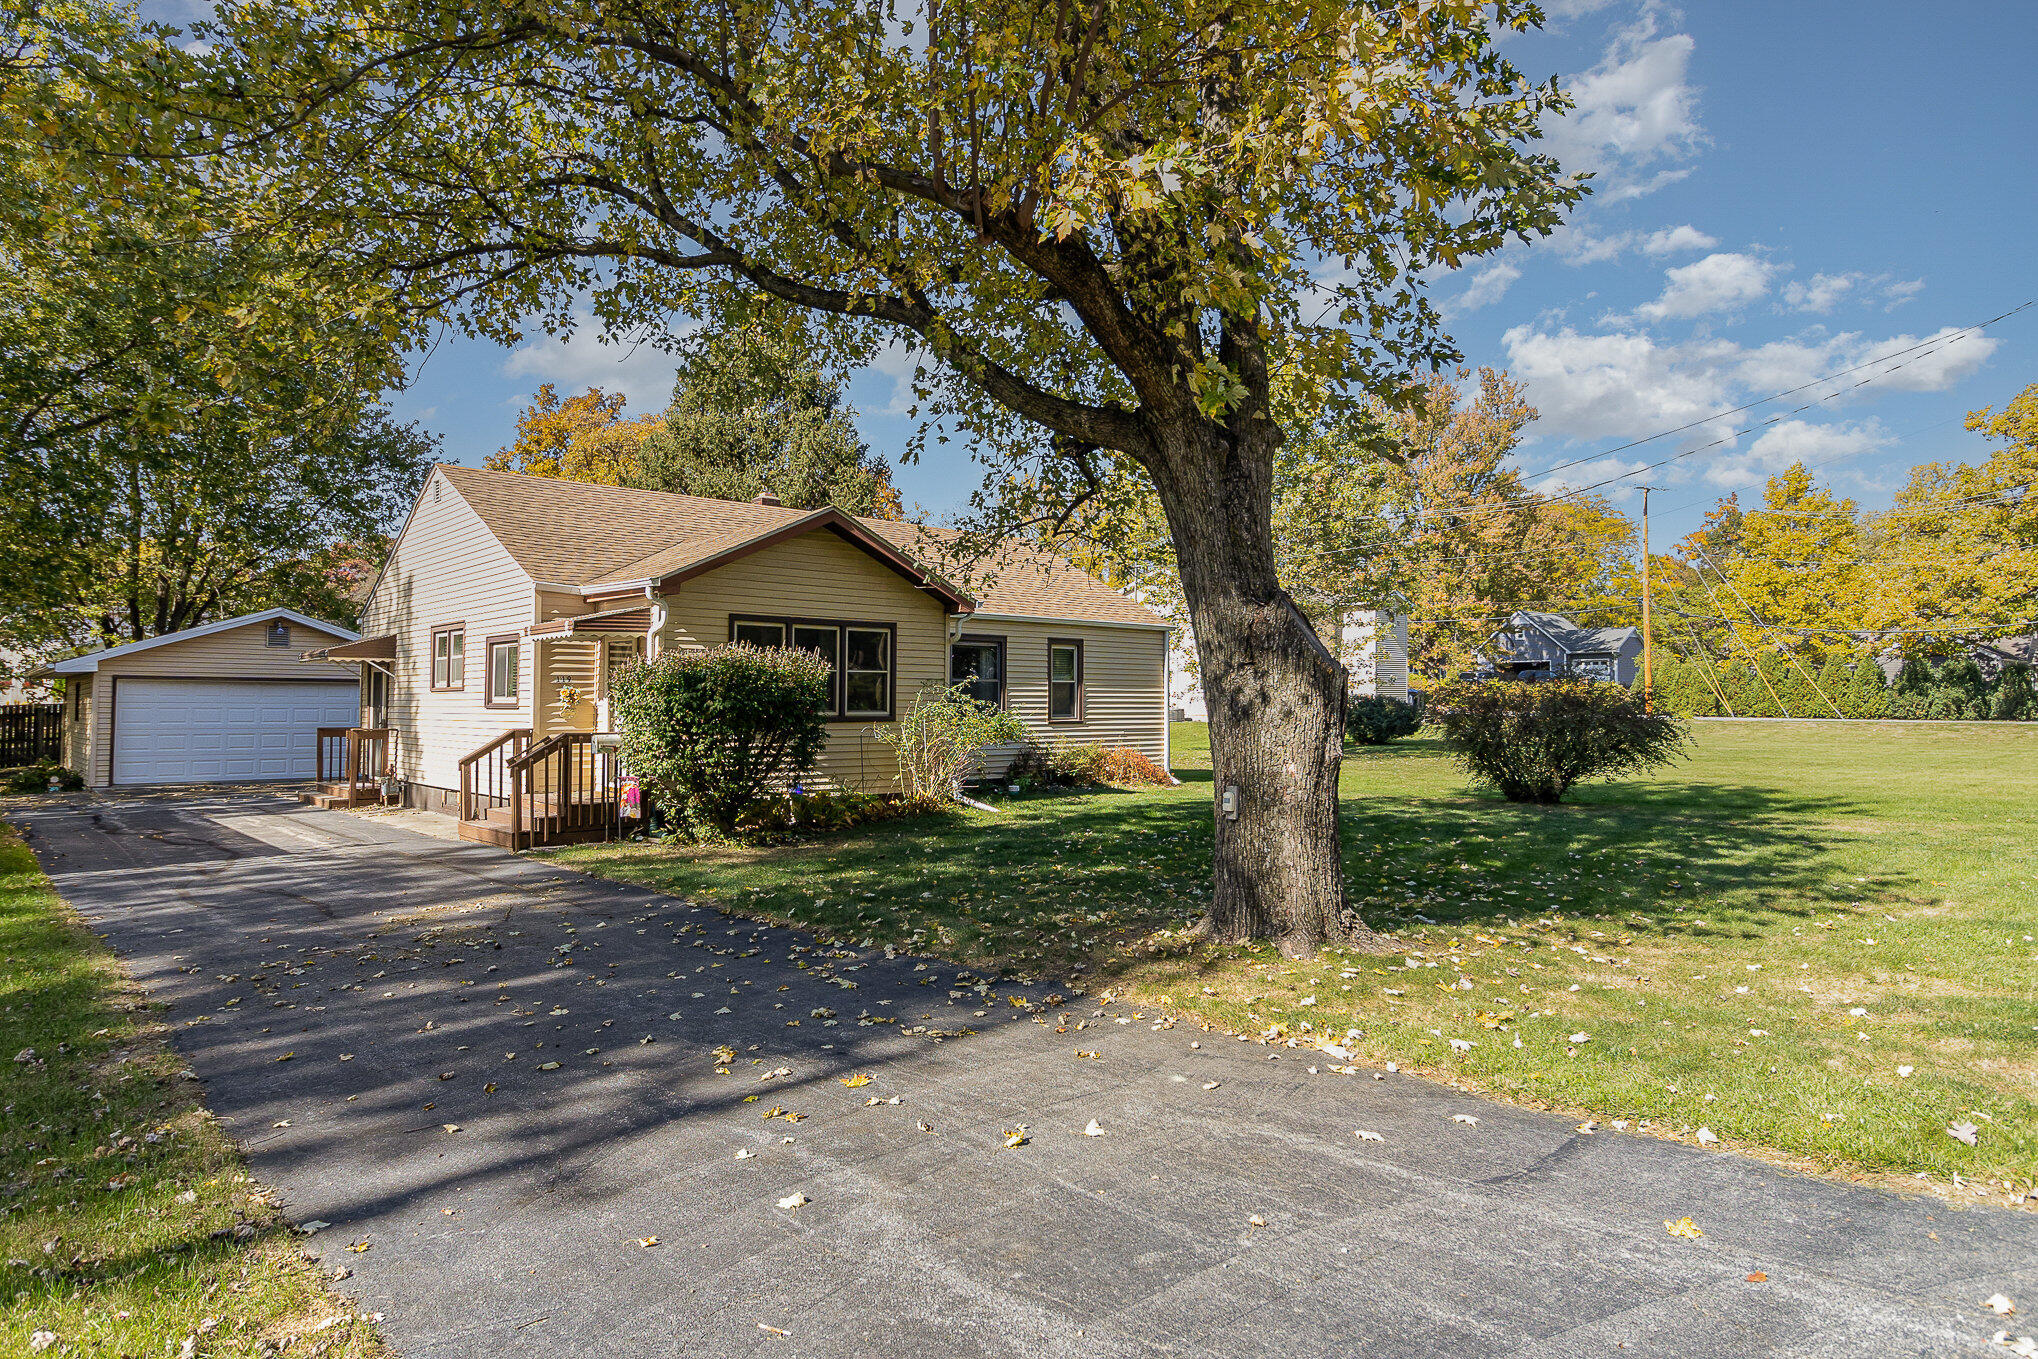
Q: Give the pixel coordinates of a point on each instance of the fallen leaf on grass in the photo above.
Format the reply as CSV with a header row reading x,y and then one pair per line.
x,y
1707,1135
1962,1132
1683,1227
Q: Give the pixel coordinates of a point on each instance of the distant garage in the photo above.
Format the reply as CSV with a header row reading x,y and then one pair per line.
x,y
225,702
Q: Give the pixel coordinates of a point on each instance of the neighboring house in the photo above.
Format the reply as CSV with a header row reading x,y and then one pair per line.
x,y
15,684
1531,640
223,702
508,601
1988,657
1372,647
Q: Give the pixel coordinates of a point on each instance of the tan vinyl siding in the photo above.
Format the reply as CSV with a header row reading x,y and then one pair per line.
x,y
1124,684
564,661
78,707
235,653
821,576
446,568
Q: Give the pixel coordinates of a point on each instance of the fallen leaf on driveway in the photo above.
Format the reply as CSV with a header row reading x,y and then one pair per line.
x,y
1016,1137
771,1330
926,1127
1758,1277
1368,1135
2024,1346
286,1056
450,1127
358,1247
859,1080
1093,1130
1091,1055
724,1055
315,1225
447,1075
1255,1221
1962,1132
1588,1127
745,1154
548,1066
793,1201
1683,1227
2000,1305
647,1241
1464,1118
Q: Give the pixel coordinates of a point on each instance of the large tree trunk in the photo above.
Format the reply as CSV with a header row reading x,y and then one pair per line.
x,y
1276,697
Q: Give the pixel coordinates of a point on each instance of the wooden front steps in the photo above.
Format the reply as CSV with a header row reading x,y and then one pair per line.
x,y
334,795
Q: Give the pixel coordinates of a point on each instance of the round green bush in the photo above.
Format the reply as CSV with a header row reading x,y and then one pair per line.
x,y
1374,720
708,733
1534,741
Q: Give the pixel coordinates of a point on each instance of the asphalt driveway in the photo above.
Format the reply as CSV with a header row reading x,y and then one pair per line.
x,y
365,987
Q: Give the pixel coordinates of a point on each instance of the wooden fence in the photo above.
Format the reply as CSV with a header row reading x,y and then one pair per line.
x,y
31,733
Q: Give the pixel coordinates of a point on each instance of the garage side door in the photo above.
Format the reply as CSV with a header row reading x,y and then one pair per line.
x,y
207,731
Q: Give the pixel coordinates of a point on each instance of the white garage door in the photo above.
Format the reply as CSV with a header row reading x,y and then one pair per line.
x,y
204,731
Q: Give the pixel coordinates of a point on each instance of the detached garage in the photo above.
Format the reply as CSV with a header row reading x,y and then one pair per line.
x,y
227,702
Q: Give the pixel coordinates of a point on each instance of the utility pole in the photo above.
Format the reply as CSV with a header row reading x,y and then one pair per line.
x,y
1648,644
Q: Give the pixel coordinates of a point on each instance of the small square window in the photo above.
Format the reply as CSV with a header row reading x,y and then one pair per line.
x,y
503,657
449,657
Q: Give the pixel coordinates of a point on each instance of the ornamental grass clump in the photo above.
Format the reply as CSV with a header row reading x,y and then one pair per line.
x,y
941,739
1534,741
711,732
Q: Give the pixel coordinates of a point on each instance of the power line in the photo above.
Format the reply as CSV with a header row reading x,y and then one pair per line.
x,y
1938,341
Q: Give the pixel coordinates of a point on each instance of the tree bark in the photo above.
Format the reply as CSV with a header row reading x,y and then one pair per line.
x,y
1276,696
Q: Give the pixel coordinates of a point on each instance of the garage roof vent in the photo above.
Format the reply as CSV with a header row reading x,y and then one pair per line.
x,y
279,633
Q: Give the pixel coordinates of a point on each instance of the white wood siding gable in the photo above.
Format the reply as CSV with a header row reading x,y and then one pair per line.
x,y
447,567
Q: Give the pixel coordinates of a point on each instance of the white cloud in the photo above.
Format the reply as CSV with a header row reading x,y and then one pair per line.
x,y
1627,386
897,360
585,357
1632,109
1719,282
1577,245
1820,293
1676,240
1796,440
1901,292
1488,286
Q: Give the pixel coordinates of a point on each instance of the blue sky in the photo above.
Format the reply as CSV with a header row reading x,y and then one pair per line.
x,y
1784,190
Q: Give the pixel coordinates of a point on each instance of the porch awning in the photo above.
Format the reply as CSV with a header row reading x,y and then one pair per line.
x,y
367,649
633,621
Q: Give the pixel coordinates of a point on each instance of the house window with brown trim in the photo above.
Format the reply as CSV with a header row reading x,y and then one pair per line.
x,y
449,656
860,658
978,664
504,655
1064,681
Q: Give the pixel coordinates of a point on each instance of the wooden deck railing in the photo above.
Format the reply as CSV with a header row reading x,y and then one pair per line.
x,y
485,777
567,784
352,759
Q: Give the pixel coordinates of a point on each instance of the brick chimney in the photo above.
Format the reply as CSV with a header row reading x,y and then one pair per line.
x,y
767,498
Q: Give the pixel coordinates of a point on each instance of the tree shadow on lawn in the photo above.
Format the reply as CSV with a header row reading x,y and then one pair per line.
x,y
1050,882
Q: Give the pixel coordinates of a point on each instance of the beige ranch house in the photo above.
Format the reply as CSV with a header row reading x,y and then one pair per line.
x,y
507,603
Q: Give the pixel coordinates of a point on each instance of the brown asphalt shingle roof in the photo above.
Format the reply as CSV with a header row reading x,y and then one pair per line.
x,y
579,534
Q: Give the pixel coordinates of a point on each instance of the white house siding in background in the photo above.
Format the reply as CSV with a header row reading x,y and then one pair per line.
x,y
448,568
1373,648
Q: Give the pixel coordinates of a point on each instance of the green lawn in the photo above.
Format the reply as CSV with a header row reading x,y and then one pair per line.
x,y
1758,942
127,1225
